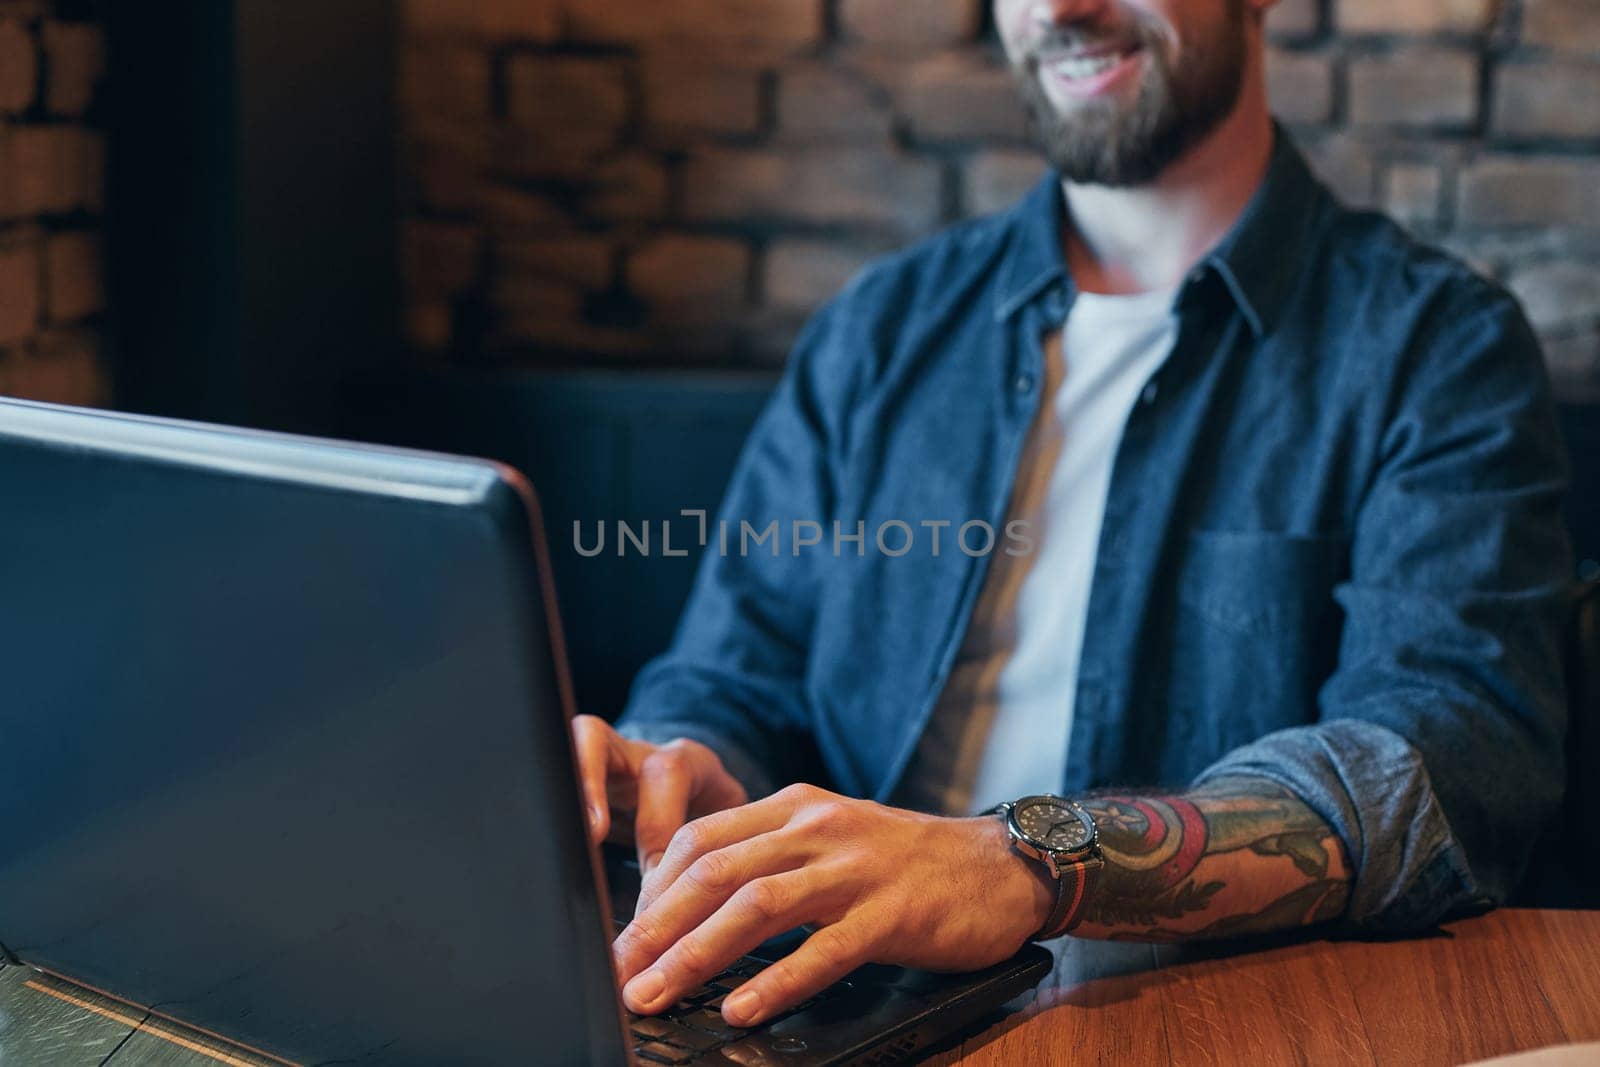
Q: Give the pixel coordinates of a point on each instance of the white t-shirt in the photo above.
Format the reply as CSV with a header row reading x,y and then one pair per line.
x,y
999,730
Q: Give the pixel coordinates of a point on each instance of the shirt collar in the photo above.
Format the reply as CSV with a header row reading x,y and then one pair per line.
x,y
1255,260
1035,261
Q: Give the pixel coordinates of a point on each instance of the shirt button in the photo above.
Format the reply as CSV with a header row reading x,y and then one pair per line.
x,y
1024,383
1148,397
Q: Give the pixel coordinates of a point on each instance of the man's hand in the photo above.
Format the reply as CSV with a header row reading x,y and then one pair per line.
x,y
660,786
880,885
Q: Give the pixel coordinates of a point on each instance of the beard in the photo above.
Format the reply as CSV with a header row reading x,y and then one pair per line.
x,y
1111,142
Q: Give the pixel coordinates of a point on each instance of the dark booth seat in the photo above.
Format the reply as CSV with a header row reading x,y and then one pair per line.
x,y
636,447
598,447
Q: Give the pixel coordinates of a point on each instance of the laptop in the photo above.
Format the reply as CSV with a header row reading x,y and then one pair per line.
x,y
285,757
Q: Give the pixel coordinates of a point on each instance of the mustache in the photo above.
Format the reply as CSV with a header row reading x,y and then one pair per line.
x,y
1058,41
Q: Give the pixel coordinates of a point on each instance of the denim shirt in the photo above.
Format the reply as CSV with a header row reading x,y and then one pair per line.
x,y
1332,552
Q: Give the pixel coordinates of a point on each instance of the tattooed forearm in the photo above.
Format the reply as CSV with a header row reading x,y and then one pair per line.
x,y
1237,856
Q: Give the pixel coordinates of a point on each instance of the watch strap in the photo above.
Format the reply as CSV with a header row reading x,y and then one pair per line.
x,y
1073,887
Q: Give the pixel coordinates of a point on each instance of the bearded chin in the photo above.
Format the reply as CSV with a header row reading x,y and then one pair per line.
x,y
1104,143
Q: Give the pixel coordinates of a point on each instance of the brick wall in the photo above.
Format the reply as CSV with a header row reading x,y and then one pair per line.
x,y
637,181
51,196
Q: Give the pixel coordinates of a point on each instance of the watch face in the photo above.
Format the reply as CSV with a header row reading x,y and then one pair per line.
x,y
1055,824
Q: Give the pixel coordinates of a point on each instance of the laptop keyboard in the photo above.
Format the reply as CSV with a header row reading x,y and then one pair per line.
x,y
694,1026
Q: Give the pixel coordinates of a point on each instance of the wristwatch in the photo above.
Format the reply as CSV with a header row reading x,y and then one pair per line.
x,y
1061,835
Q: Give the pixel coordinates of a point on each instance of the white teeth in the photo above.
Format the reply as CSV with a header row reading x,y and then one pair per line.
x,y
1085,67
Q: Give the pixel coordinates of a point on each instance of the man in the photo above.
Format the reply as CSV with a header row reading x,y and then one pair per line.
x,y
1281,494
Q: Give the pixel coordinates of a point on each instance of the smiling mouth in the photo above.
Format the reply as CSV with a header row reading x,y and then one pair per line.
x,y
1080,66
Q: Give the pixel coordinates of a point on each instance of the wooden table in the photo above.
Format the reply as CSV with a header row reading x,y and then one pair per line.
x,y
1507,982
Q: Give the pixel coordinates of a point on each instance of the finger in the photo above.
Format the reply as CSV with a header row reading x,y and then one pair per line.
x,y
707,885
665,783
823,959
716,789
716,831
593,740
761,909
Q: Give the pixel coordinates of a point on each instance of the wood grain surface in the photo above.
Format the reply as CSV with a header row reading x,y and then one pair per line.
x,y
37,1027
1510,981
45,1022
1507,982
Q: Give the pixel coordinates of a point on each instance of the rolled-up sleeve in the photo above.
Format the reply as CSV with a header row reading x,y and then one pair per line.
x,y
1372,787
1437,756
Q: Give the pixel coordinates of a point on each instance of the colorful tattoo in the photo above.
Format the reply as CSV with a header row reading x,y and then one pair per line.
x,y
1167,864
